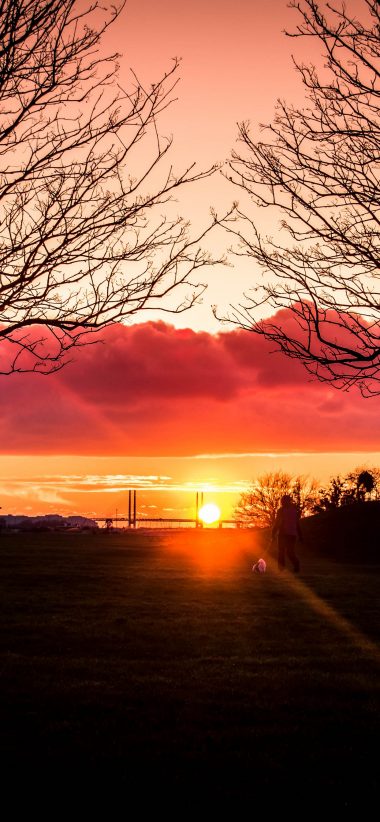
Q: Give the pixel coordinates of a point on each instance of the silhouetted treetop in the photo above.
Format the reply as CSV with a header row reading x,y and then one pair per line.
x,y
317,169
87,237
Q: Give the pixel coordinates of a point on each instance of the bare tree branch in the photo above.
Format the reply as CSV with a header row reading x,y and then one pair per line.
x,y
86,236
258,506
318,170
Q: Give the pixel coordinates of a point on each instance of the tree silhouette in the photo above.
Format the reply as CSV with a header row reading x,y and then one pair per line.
x,y
258,506
365,485
86,236
337,493
359,485
318,170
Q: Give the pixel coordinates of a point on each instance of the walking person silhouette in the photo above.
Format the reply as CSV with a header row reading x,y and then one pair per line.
x,y
287,529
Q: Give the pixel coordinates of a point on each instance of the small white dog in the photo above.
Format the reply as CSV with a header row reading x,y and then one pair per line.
x,y
259,567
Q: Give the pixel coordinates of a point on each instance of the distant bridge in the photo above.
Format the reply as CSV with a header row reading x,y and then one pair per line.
x,y
133,520
110,521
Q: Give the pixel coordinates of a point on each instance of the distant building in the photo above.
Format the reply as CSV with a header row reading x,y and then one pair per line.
x,y
48,522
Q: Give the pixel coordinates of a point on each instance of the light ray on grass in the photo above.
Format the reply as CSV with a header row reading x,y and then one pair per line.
x,y
339,622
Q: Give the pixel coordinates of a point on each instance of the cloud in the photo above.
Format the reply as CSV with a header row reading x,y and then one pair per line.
x,y
153,359
151,389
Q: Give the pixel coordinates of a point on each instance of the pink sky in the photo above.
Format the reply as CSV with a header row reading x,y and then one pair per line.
x,y
156,397
164,409
151,390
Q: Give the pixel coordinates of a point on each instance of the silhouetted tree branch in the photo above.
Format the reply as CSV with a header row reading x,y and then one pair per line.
x,y
358,486
258,506
85,181
318,171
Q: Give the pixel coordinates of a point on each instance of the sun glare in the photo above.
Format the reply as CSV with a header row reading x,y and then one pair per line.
x,y
209,513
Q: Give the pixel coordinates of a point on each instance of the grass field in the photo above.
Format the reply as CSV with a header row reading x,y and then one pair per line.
x,y
160,667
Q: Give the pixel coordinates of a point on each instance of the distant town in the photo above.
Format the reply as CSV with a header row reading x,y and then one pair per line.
x,y
47,522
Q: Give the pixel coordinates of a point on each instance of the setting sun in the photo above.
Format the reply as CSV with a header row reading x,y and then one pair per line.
x,y
209,513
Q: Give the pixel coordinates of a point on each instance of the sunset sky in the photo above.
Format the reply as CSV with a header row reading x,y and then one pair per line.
x,y
172,404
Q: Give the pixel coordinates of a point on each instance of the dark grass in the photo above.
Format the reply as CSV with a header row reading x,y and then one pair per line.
x,y
159,668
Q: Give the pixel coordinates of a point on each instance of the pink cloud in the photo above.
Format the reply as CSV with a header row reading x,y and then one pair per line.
x,y
151,389
154,359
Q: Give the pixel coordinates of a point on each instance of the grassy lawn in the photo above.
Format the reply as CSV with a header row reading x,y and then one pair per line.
x,y
159,665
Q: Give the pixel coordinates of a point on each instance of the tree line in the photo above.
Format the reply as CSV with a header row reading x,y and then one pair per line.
x,y
257,507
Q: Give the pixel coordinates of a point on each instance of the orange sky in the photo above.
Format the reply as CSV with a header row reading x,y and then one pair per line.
x,y
235,63
145,408
165,409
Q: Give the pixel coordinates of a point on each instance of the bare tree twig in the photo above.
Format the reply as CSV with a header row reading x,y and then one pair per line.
x,y
318,170
86,236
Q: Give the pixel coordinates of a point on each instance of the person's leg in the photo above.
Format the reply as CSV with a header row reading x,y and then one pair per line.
x,y
291,552
281,551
